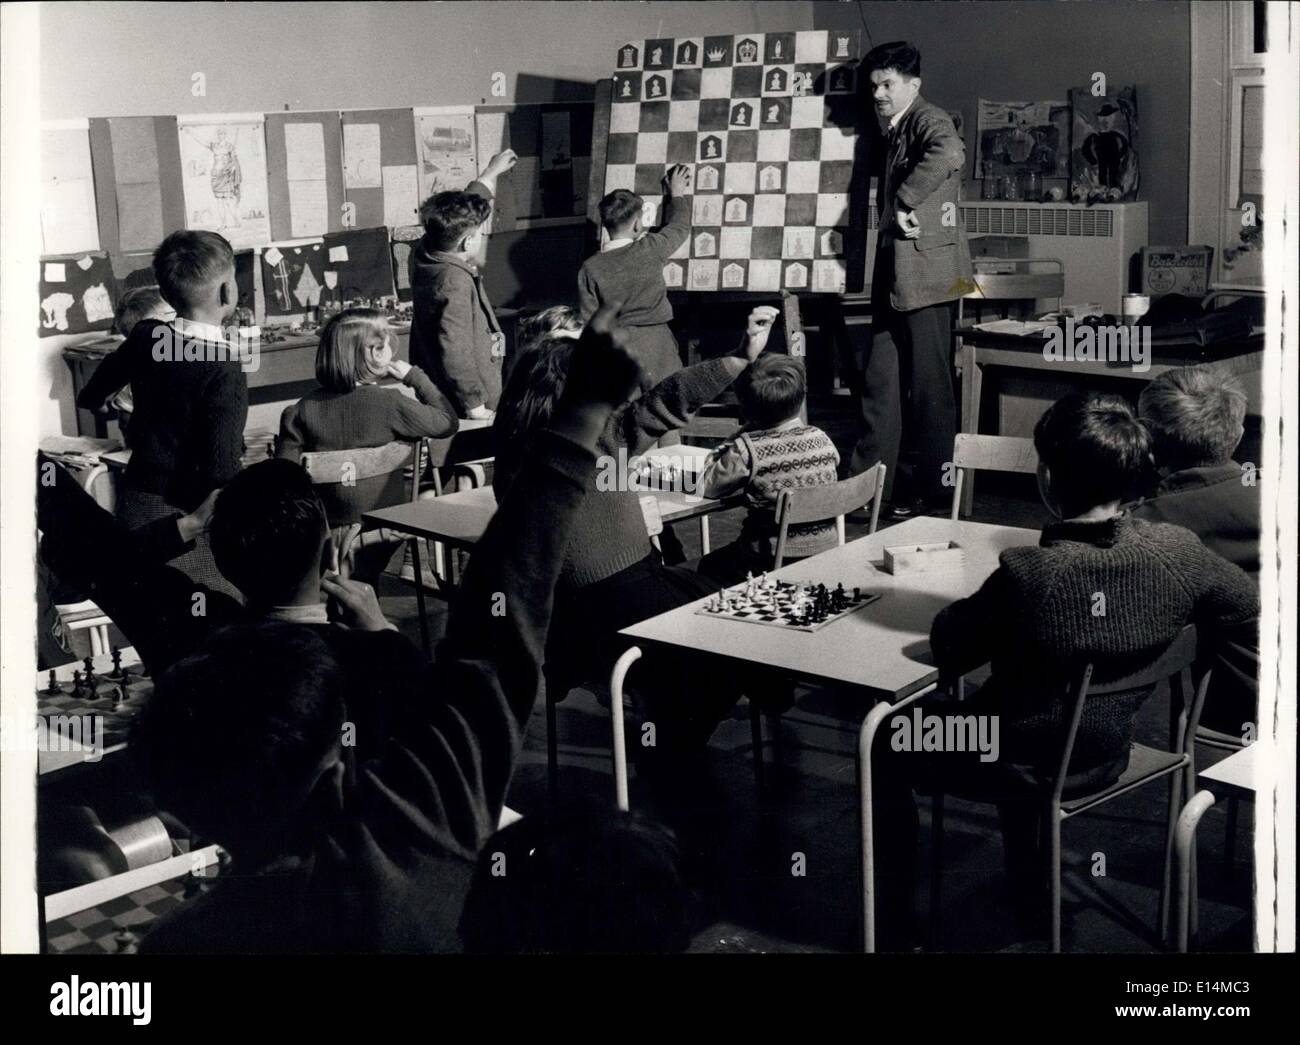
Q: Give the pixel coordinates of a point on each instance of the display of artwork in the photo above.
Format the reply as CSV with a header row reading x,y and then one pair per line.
x,y
768,124
223,161
294,277
1104,146
550,181
78,294
444,142
1023,136
68,218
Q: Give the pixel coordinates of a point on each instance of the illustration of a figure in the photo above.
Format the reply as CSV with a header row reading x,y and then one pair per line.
x,y
225,177
1107,148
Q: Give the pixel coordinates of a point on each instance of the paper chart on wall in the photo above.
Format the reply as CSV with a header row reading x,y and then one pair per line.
x,y
493,131
444,143
69,220
304,147
401,200
361,157
223,166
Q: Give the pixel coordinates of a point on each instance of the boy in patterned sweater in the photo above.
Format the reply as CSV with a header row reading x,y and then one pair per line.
x,y
776,450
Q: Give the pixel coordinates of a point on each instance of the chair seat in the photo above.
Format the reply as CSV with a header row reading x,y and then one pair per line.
x,y
1144,763
1214,739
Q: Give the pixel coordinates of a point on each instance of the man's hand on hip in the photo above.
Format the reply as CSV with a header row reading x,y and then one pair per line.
x,y
907,223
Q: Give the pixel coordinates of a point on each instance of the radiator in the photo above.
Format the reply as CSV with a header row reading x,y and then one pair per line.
x,y
1095,244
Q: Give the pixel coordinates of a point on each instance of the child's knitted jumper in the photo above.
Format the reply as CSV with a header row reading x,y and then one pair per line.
x,y
788,459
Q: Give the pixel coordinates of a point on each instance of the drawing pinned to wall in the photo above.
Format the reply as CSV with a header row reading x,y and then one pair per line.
x,y
361,167
68,218
293,275
444,141
1104,146
304,146
223,160
1022,136
401,196
77,294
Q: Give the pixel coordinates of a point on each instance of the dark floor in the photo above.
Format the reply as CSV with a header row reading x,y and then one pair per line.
x,y
741,851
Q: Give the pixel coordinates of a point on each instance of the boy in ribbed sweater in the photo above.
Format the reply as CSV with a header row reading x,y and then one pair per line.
x,y
1100,588
775,451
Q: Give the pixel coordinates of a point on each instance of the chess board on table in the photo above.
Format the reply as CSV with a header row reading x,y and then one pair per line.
x,y
768,124
107,716
802,607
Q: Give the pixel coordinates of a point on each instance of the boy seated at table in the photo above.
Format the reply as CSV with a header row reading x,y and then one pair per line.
x,y
1196,419
1100,588
248,741
776,450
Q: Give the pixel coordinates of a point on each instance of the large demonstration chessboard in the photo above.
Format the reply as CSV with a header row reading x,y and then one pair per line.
x,y
768,124
802,607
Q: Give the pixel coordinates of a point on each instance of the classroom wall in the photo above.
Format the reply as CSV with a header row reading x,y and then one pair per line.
x,y
1037,51
129,59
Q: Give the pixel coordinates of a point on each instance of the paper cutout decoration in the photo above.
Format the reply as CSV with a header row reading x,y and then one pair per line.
x,y
737,210
223,160
733,276
628,57
796,275
75,298
705,245
672,274
362,261
710,147
769,179
292,277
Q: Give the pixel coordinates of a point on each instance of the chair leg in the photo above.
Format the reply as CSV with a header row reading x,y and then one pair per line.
x,y
552,750
778,741
419,595
1165,914
1230,838
1054,869
936,868
756,733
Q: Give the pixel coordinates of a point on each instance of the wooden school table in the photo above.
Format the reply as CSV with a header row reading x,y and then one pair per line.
x,y
459,519
881,651
1236,776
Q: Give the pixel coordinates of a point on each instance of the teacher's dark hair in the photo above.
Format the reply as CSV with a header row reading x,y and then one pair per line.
x,y
898,55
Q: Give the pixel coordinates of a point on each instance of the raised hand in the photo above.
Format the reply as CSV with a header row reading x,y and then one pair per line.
x,y
602,371
758,327
677,182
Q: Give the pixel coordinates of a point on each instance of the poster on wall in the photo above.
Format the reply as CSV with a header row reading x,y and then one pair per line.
x,y
1023,136
444,141
78,294
223,161
69,221
1104,146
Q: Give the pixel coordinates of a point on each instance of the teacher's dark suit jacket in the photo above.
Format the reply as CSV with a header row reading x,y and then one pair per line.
x,y
923,159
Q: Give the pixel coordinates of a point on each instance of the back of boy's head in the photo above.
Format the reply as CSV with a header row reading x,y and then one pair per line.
x,y
619,210
594,882
1195,417
189,265
340,357
267,531
772,390
448,217
135,305
532,390
1095,448
556,321
235,735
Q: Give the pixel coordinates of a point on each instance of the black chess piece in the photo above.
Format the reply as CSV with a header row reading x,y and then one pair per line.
x,y
52,690
127,941
92,683
117,674
77,688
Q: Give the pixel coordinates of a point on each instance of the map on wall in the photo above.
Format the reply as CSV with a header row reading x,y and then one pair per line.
x,y
768,125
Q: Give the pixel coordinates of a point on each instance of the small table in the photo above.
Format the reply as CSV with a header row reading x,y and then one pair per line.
x,y
882,651
1233,777
459,520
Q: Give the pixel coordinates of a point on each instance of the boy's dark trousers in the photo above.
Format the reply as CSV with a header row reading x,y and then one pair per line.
x,y
907,371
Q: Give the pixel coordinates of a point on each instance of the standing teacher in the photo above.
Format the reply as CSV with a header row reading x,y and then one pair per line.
x,y
922,265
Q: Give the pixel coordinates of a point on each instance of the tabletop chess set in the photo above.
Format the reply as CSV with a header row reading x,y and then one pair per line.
x,y
803,607
115,698
768,125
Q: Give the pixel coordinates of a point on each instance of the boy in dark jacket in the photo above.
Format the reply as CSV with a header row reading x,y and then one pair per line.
x,y
455,336
628,273
248,742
